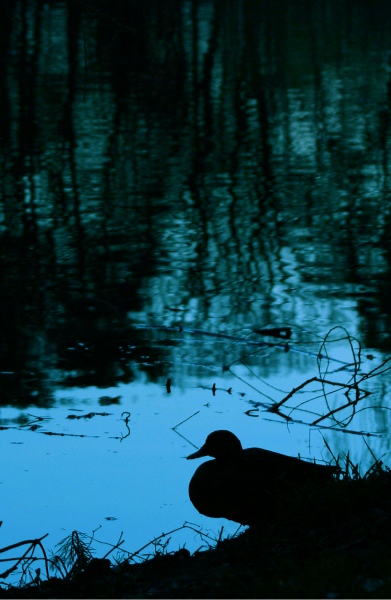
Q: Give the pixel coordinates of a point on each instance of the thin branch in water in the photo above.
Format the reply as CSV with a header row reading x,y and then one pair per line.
x,y
184,421
31,546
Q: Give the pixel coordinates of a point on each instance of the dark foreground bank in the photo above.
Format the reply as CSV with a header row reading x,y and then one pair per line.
x,y
330,544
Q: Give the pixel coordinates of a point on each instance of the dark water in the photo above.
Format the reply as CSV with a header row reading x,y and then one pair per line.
x,y
198,162
215,165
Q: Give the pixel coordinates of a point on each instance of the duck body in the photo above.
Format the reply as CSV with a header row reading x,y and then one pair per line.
x,y
249,485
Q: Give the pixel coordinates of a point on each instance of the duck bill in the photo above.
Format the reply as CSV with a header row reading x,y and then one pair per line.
x,y
201,452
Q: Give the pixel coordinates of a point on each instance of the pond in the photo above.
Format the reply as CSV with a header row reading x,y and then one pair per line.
x,y
175,181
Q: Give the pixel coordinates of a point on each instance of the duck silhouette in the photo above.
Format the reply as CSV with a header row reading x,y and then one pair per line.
x,y
249,485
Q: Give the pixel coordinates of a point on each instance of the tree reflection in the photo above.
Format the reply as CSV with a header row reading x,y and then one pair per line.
x,y
209,157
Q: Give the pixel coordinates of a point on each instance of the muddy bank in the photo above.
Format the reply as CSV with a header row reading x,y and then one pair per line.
x,y
348,556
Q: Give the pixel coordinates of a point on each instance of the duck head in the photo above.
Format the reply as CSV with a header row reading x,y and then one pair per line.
x,y
221,444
